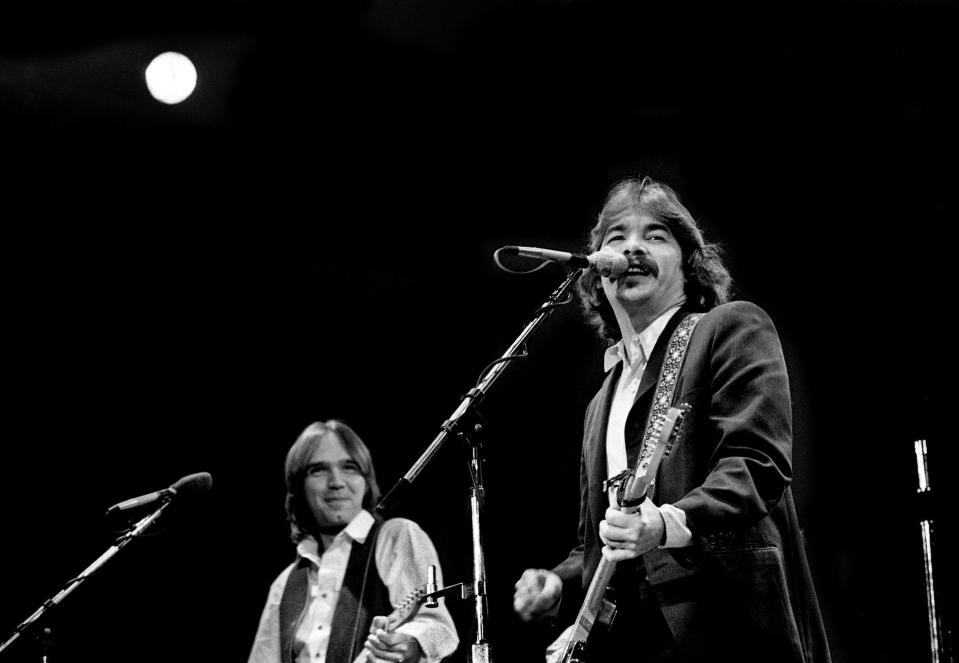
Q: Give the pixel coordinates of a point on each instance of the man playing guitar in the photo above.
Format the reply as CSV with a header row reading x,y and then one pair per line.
x,y
710,566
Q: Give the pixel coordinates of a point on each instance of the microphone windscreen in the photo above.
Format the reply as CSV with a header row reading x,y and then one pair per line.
x,y
609,263
199,482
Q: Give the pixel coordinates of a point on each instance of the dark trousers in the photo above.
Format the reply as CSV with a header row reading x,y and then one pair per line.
x,y
711,626
639,632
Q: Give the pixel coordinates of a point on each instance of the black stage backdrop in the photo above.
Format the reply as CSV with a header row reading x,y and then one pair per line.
x,y
310,236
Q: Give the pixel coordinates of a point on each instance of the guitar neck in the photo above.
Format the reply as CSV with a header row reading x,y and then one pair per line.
x,y
635,493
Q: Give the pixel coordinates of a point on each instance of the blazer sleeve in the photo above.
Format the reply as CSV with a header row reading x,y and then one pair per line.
x,y
748,434
571,568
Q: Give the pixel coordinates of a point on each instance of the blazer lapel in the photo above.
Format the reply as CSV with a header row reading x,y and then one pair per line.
x,y
596,444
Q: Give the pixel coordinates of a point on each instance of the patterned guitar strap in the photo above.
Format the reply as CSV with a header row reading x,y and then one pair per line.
x,y
662,398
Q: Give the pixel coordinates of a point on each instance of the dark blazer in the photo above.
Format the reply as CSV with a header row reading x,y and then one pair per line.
x,y
744,578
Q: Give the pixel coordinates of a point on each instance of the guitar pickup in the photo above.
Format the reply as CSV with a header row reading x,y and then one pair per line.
x,y
607,613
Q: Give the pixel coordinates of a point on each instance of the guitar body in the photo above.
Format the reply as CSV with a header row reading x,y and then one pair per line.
x,y
581,641
586,646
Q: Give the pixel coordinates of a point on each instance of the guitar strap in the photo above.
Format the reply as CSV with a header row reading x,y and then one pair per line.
x,y
662,399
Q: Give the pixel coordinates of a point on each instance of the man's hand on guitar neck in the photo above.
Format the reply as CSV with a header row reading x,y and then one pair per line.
x,y
629,535
383,645
537,594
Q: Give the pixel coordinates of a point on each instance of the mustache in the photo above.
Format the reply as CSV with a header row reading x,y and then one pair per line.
x,y
645,263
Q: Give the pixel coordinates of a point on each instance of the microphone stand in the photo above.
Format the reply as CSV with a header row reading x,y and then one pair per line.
x,y
938,637
466,423
71,585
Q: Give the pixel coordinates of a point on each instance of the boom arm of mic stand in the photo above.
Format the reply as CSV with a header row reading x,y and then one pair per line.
x,y
120,542
480,649
477,393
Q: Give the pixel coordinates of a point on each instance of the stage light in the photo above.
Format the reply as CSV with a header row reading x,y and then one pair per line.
x,y
171,77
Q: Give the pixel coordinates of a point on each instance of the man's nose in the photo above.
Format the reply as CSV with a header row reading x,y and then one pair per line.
x,y
634,244
335,479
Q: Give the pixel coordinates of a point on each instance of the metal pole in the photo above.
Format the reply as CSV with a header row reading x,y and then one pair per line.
x,y
922,464
480,649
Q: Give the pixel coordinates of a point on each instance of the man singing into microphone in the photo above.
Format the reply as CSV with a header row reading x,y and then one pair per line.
x,y
711,566
352,569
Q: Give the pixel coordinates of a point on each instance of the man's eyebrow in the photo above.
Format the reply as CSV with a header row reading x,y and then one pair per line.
x,y
658,225
616,225
325,464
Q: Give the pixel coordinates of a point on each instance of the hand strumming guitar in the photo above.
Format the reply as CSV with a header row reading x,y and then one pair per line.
x,y
383,645
537,594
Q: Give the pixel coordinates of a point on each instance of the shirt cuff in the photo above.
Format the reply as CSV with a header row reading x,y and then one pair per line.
x,y
677,534
435,643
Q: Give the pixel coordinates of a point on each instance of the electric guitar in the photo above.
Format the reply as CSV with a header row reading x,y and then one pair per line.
x,y
597,607
403,613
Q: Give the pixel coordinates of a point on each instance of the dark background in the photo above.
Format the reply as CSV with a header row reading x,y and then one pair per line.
x,y
310,236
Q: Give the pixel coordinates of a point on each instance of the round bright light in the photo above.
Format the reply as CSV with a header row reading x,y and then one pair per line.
x,y
171,77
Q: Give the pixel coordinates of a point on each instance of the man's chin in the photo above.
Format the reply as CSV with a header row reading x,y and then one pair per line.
x,y
633,296
341,516
337,518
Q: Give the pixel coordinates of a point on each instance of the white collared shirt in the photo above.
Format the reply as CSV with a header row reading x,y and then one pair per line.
x,y
634,358
326,577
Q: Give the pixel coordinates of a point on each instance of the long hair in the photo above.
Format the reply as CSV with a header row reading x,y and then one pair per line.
x,y
707,282
298,513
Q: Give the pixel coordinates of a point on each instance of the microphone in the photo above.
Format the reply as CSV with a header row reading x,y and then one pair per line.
x,y
607,263
199,482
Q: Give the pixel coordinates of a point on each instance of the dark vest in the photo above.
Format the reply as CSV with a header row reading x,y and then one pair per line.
x,y
362,597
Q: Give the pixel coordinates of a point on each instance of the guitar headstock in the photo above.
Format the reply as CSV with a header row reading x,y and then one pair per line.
x,y
407,607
